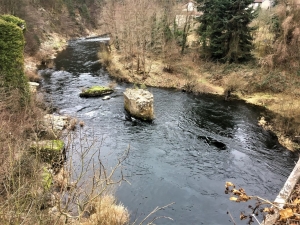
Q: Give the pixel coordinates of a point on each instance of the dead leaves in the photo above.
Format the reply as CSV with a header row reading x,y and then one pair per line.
x,y
229,184
296,201
269,210
243,216
233,199
291,211
239,194
285,214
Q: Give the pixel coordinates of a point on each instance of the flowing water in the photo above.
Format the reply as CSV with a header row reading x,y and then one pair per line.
x,y
195,144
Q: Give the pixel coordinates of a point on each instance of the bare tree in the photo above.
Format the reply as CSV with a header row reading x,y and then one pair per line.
x,y
138,29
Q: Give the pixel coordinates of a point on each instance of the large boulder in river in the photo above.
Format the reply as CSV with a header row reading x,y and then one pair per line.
x,y
139,103
96,91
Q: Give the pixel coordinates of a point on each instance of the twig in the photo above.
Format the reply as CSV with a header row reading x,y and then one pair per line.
x,y
231,217
255,218
154,211
264,200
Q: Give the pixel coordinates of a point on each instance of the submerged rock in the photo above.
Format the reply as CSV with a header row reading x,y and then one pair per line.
x,y
106,97
213,142
96,91
139,103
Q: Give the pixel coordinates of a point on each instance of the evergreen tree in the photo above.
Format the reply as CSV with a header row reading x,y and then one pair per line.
x,y
224,31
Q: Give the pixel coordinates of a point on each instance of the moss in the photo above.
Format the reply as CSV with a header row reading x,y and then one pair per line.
x,y
54,145
96,91
47,179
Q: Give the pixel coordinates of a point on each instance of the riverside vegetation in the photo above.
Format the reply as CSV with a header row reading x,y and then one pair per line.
x,y
147,46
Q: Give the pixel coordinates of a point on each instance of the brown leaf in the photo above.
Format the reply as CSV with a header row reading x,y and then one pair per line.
x,y
244,197
285,213
242,216
236,192
296,201
229,184
242,190
233,199
267,210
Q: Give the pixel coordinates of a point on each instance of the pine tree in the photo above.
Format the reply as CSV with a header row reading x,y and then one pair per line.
x,y
224,31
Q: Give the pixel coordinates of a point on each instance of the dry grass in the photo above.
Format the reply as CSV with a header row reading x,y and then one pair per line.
x,y
105,211
234,82
21,189
185,74
105,58
33,76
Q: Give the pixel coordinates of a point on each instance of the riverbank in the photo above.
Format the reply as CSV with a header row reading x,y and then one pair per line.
x,y
245,82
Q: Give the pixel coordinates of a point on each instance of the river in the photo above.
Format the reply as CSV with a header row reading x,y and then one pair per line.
x,y
177,157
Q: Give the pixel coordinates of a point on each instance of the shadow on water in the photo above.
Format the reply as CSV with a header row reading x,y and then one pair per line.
x,y
195,144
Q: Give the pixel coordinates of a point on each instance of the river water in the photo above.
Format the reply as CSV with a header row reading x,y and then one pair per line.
x,y
195,144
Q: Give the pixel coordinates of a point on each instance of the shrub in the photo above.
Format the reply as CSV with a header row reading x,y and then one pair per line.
x,y
274,81
11,56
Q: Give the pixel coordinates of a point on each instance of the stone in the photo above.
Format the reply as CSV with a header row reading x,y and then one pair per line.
x,y
96,91
106,97
50,151
139,103
33,86
55,123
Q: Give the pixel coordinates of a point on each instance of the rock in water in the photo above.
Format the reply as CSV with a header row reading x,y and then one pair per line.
x,y
96,91
107,97
139,103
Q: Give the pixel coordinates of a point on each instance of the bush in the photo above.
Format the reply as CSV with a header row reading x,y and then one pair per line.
x,y
14,20
11,55
274,81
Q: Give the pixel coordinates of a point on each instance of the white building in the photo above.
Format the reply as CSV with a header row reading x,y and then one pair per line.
x,y
264,4
186,12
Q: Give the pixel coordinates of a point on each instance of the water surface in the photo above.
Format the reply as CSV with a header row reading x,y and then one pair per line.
x,y
177,158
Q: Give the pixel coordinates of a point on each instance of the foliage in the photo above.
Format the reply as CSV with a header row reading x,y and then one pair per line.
x,y
14,20
224,31
11,55
286,29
